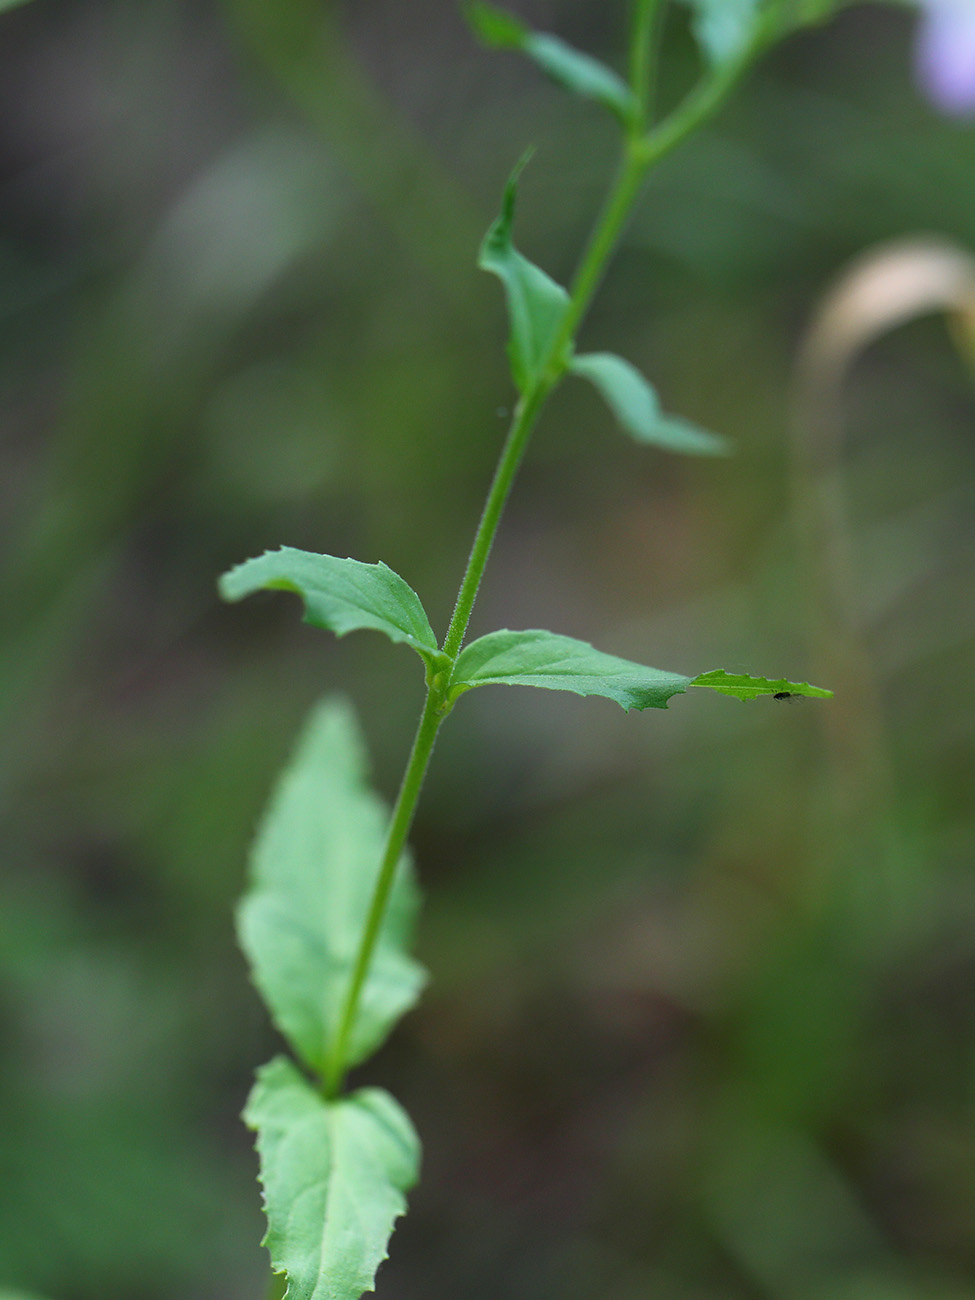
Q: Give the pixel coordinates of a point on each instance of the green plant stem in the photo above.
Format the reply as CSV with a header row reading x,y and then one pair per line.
x,y
399,828
645,21
640,154
525,418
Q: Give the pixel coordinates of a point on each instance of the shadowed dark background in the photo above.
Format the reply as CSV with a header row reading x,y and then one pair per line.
x,y
700,1024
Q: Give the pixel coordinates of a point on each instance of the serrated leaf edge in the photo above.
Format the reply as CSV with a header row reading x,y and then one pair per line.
x,y
427,650
326,1105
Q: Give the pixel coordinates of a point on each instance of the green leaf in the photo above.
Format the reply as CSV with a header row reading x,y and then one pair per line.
x,y
724,28
4,5
335,1174
568,67
496,27
537,306
339,595
313,868
744,687
634,403
561,663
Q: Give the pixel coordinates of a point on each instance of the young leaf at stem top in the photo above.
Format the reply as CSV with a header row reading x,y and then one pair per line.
x,y
724,28
537,306
335,1174
568,67
634,403
313,869
340,595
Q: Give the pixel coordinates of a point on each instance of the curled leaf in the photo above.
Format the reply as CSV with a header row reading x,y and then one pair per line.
x,y
634,402
340,595
537,306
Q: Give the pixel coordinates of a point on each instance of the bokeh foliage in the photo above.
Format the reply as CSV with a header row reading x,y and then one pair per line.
x,y
701,1019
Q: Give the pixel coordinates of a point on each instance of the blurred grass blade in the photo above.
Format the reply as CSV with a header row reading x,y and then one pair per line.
x,y
570,68
340,595
634,402
335,1174
313,868
536,304
561,663
743,687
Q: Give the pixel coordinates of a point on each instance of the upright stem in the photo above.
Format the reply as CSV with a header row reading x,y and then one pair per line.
x,y
640,153
645,16
591,269
399,829
526,414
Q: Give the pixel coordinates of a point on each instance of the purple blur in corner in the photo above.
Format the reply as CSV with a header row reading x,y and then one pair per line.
x,y
945,55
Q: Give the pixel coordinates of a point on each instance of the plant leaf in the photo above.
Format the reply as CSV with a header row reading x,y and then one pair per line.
x,y
744,687
313,867
724,28
568,67
561,663
335,1174
4,5
536,304
340,595
634,403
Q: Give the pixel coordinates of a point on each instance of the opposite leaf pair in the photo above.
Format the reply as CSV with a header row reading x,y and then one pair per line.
x,y
538,309
341,595
725,30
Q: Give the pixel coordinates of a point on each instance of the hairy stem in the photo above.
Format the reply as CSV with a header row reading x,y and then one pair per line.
x,y
399,829
525,417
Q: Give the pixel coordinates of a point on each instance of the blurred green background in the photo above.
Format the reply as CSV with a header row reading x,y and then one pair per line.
x,y
701,1021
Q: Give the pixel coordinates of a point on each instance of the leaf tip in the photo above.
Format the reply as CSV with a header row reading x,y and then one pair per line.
x,y
495,28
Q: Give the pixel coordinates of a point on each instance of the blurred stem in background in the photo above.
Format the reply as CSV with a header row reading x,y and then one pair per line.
x,y
883,289
302,44
151,344
780,1200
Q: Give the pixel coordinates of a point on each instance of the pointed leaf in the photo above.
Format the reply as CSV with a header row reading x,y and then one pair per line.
x,y
313,867
568,67
744,687
561,663
496,27
536,304
340,595
634,403
335,1174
